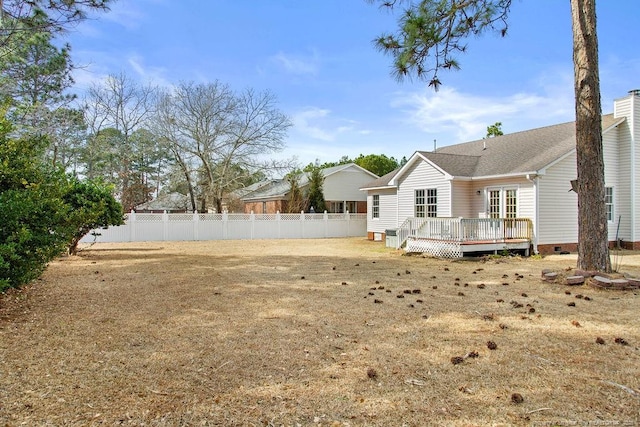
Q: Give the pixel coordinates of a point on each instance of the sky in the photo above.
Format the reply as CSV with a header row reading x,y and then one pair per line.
x,y
318,58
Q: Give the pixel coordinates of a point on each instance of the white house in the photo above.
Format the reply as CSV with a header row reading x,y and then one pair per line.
x,y
341,190
521,180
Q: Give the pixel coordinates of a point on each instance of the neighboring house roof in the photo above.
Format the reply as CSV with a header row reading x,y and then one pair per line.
x,y
166,202
518,153
244,192
279,188
382,182
275,189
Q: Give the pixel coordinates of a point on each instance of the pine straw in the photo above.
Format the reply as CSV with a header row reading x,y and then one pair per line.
x,y
230,333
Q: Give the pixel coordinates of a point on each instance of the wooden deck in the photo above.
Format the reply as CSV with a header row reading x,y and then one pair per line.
x,y
488,246
455,237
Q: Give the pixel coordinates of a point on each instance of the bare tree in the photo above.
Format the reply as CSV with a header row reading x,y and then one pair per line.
x,y
228,134
120,104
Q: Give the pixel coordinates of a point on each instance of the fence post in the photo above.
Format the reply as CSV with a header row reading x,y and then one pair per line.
x,y
302,219
132,227
225,225
165,225
325,218
278,223
252,219
348,224
196,225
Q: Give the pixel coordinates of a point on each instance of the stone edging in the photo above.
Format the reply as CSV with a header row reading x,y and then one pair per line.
x,y
594,278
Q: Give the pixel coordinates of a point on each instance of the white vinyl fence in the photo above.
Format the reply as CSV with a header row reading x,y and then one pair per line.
x,y
141,227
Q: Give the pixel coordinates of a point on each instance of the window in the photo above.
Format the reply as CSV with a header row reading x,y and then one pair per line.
x,y
264,207
608,201
510,206
494,204
426,203
336,207
502,203
432,203
375,206
420,205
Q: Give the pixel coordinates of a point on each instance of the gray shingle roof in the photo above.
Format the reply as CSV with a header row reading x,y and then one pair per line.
x,y
520,152
167,202
383,181
276,188
454,164
517,153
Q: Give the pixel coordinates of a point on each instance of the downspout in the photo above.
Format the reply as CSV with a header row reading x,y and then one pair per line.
x,y
398,223
632,129
534,181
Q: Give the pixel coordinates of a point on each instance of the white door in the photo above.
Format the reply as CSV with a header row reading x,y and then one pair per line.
x,y
502,203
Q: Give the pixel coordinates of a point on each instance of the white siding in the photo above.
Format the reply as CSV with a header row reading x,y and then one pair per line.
x,y
611,157
634,127
558,207
388,211
422,176
623,189
463,195
525,195
624,174
345,185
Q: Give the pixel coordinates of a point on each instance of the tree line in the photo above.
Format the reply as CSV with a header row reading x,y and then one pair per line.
x,y
43,209
69,165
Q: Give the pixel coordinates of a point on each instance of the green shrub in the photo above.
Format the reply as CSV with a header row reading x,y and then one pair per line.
x,y
91,205
29,235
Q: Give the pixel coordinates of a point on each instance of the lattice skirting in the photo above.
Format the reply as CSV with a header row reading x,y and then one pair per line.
x,y
437,248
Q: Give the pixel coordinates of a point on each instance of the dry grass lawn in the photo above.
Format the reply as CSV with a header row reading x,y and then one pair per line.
x,y
314,332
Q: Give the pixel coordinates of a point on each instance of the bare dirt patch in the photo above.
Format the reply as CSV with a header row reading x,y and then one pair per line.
x,y
310,332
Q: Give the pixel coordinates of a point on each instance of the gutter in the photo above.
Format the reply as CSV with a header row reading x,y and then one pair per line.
x,y
533,178
632,188
508,175
383,187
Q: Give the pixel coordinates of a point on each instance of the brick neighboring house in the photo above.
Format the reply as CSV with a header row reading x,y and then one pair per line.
x,y
341,189
524,175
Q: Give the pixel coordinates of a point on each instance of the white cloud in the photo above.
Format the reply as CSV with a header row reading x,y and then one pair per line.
x,y
303,122
150,75
466,116
318,123
127,14
84,78
297,64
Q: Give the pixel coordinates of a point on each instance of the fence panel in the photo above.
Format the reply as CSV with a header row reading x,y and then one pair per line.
x,y
172,227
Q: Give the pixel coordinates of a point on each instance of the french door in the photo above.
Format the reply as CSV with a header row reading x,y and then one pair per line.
x,y
502,203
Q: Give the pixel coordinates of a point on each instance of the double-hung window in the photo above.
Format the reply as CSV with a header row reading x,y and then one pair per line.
x,y
426,203
432,202
375,206
608,201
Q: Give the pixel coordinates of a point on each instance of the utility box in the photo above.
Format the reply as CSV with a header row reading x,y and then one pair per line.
x,y
391,238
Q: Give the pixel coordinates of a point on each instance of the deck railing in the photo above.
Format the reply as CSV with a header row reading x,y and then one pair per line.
x,y
465,229
475,229
408,228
